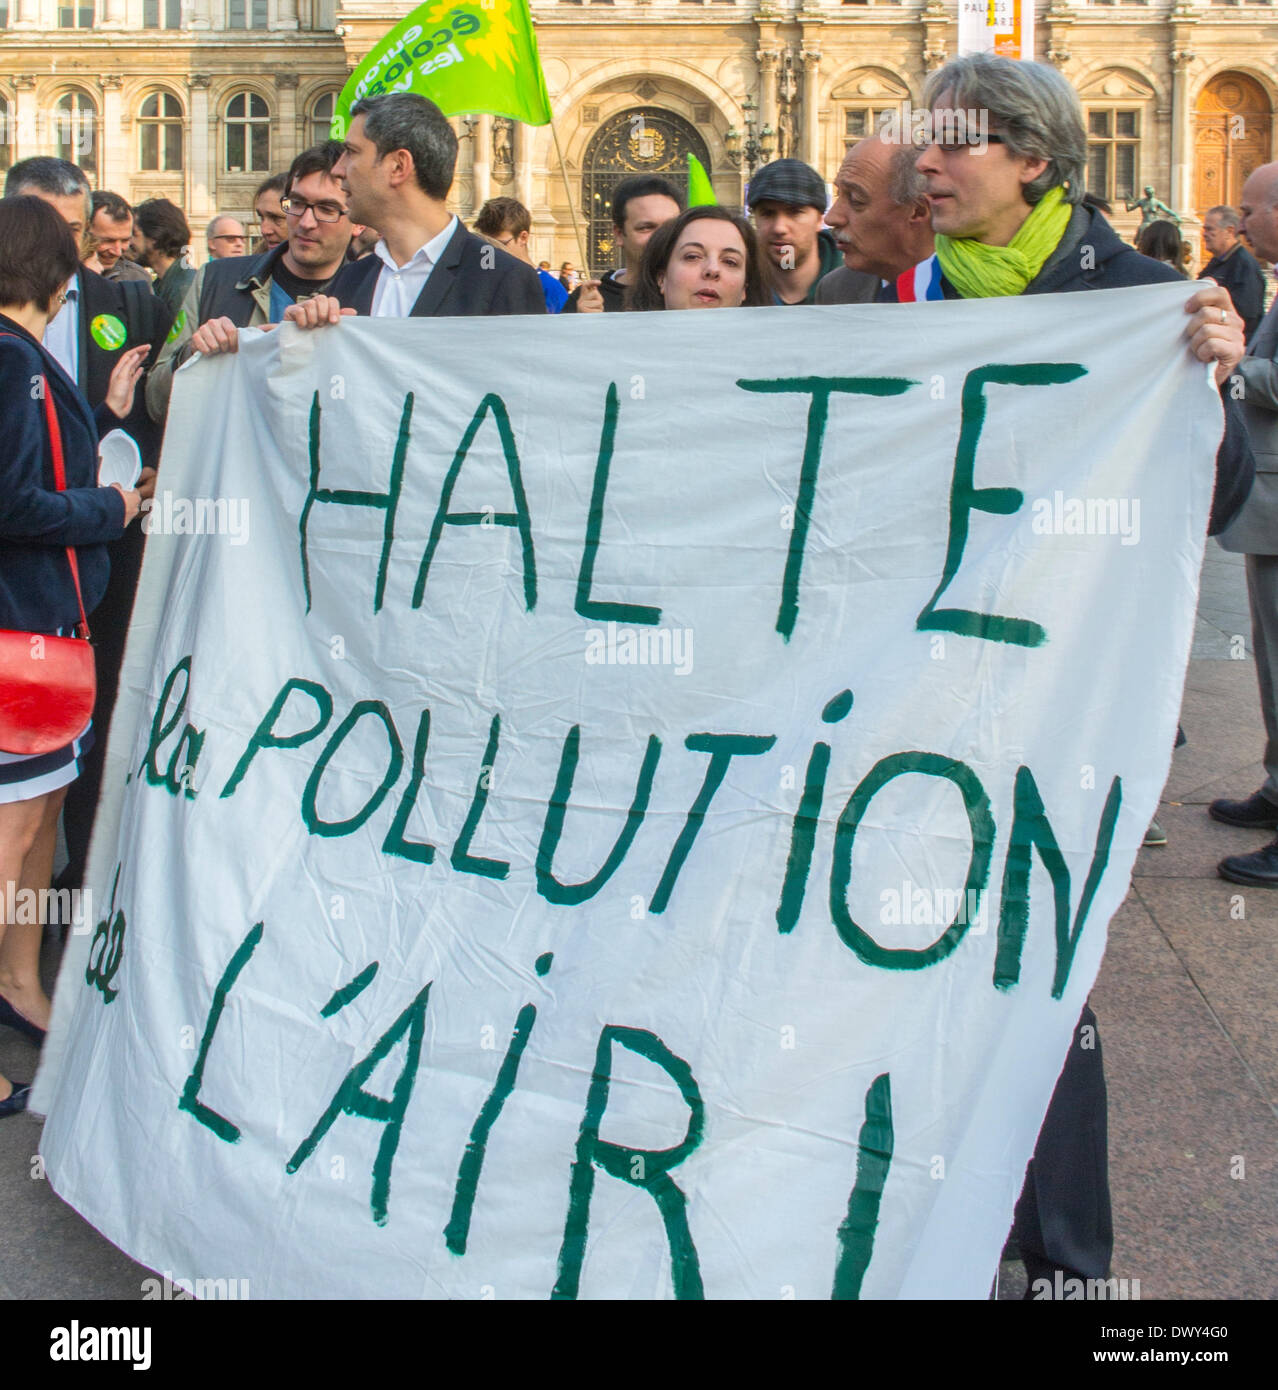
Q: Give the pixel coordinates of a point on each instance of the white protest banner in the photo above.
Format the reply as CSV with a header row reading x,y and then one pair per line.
x,y
627,806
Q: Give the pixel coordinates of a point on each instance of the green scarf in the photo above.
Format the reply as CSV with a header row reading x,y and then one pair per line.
x,y
979,271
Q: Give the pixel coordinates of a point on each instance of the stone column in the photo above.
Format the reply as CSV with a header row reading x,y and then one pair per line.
x,y
1182,125
24,14
767,59
285,131
114,14
481,165
30,132
285,14
812,110
118,129
200,152
524,137
196,14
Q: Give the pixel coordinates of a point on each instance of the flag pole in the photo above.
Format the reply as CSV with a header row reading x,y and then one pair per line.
x,y
572,206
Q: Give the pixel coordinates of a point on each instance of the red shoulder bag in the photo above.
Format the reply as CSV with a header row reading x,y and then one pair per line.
x,y
47,684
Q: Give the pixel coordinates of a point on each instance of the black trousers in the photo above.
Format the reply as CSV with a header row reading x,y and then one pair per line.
x,y
109,623
1063,1218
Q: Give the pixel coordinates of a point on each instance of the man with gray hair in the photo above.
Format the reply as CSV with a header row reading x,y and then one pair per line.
x,y
1233,266
880,218
225,237
1009,217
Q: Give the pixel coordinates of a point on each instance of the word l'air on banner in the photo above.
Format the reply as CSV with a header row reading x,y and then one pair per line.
x,y
472,57
1005,27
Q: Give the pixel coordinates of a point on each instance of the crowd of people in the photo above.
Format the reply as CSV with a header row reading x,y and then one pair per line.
x,y
99,302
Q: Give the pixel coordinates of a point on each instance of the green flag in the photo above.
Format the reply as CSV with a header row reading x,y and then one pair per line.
x,y
700,191
479,55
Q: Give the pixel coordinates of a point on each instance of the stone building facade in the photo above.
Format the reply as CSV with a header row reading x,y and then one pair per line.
x,y
198,100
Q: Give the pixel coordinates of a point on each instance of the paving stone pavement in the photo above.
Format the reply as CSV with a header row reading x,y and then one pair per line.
x,y
1188,1006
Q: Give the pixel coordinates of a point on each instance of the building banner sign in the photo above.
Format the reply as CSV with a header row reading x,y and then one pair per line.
x,y
628,806
1005,27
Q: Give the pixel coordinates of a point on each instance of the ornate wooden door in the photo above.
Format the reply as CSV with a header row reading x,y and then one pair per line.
x,y
1231,138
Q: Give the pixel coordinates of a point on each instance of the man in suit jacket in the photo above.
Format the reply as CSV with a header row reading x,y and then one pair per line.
x,y
1255,535
101,320
880,218
396,171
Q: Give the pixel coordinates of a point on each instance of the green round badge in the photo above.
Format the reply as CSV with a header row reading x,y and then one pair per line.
x,y
179,324
108,332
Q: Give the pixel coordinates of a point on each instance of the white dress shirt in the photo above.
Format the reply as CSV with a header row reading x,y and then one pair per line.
x,y
398,286
62,335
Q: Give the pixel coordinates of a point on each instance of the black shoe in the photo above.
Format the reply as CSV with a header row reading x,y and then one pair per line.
x,y
16,1102
1259,869
11,1018
1256,813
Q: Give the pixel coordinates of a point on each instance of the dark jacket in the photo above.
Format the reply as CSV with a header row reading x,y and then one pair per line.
x,y
1239,273
831,259
172,286
464,281
37,523
1114,265
146,320
612,290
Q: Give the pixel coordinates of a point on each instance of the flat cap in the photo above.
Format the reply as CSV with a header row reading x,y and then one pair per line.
x,y
788,181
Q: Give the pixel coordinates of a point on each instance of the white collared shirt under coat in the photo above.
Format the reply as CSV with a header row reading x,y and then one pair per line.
x,y
398,287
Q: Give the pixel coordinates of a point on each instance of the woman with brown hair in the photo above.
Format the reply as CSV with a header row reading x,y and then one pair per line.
x,y
707,258
48,427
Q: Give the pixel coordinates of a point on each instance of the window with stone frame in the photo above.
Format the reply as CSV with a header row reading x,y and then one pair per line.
x,y
75,16
1113,152
248,134
161,14
246,14
160,132
75,130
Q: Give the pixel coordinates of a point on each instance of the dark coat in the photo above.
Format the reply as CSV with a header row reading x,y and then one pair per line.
x,y
1114,265
37,523
1240,274
146,320
462,282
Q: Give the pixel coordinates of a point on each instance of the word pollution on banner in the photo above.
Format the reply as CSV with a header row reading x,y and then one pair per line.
x,y
642,827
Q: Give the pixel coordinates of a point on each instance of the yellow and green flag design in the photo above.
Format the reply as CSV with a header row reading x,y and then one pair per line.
x,y
467,57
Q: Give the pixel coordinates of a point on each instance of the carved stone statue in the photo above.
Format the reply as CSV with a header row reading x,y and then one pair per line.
x,y
1152,209
787,100
503,152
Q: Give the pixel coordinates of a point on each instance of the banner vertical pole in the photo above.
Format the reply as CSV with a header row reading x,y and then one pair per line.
x,y
572,207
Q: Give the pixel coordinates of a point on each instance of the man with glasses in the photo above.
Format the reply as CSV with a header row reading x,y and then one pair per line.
x,y
509,223
1009,217
250,291
226,237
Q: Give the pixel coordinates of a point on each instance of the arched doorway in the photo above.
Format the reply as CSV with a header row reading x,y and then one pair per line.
x,y
642,140
1231,138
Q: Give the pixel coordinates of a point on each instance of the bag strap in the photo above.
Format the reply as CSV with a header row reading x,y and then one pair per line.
x,y
60,478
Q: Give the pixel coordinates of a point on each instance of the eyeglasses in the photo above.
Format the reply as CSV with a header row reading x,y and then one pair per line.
x,y
948,141
229,236
324,212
